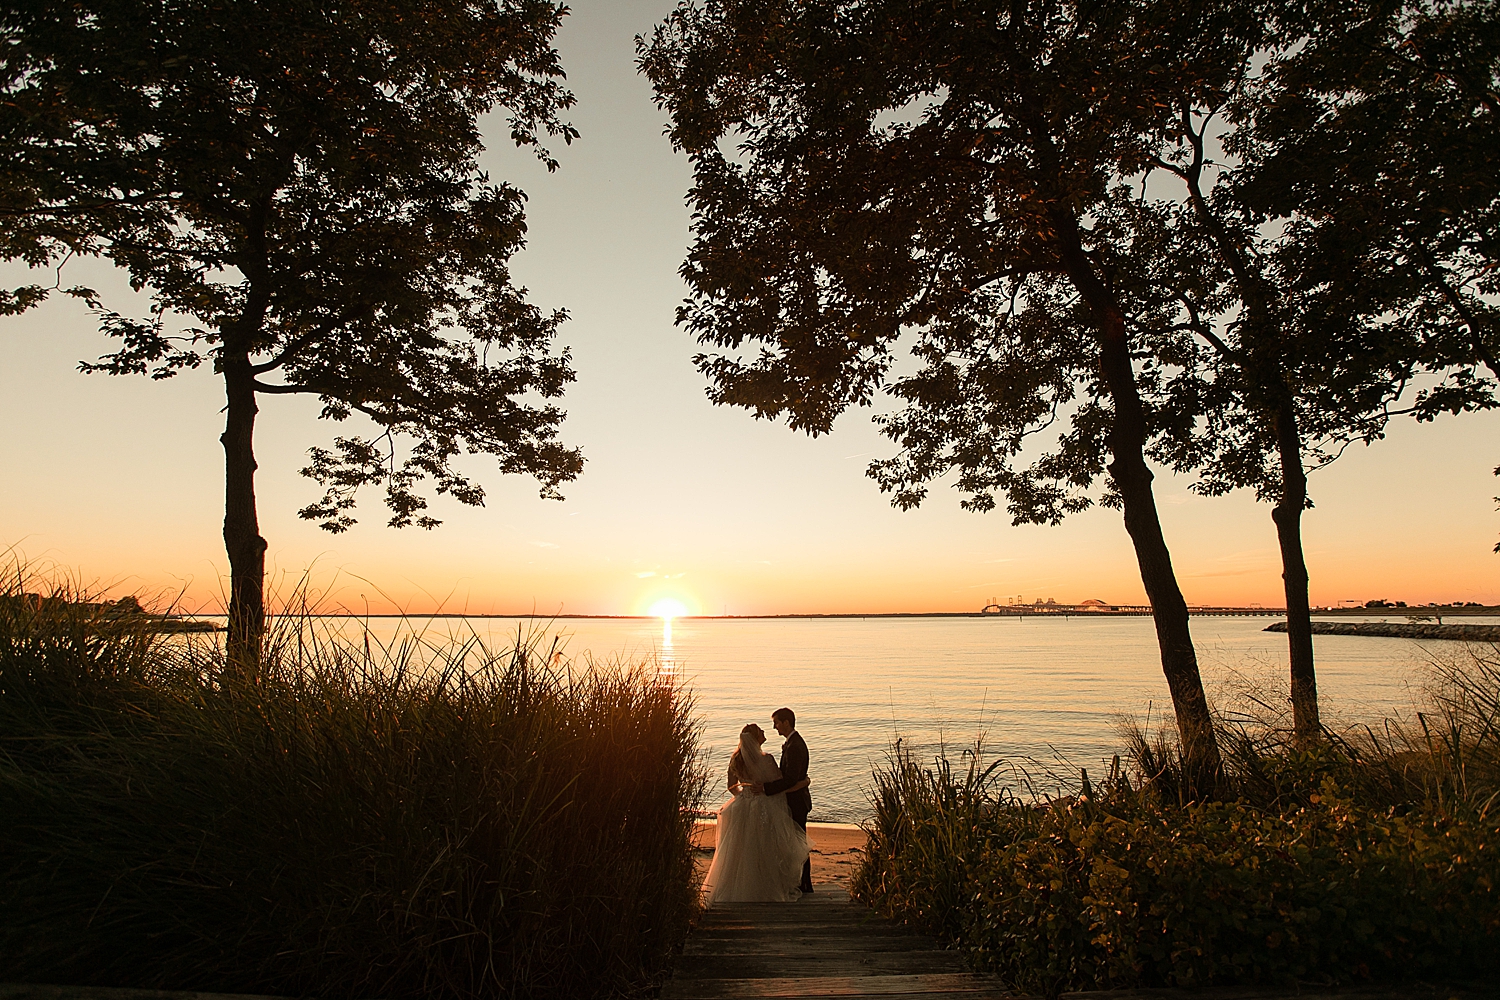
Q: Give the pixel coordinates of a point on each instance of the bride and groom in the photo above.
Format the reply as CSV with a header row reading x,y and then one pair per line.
x,y
762,848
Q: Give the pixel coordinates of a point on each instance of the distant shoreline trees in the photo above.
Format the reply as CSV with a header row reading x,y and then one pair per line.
x,y
297,187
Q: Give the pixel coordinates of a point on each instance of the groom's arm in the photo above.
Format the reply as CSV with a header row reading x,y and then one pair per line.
x,y
793,769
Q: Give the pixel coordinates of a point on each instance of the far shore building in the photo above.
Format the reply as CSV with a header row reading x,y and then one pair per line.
x,y
1093,604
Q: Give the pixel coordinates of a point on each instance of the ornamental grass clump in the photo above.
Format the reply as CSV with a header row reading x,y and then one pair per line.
x,y
430,819
1373,856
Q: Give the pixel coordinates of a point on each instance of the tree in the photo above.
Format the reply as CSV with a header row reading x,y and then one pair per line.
x,y
1370,134
867,174
1403,100
297,186
1302,366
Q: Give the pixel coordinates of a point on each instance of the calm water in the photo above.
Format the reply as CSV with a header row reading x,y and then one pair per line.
x,y
1046,692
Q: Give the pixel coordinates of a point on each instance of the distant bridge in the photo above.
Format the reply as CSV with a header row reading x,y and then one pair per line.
x,y
1022,610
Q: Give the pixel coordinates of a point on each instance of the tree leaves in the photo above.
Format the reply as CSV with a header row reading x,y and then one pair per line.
x,y
299,186
877,182
873,180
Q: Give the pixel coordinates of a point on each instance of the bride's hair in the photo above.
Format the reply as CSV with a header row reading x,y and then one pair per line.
x,y
751,737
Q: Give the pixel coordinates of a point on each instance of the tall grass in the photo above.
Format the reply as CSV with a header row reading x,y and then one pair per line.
x,y
435,820
1374,855
1445,753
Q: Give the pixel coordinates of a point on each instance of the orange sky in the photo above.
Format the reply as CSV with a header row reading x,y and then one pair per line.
x,y
119,481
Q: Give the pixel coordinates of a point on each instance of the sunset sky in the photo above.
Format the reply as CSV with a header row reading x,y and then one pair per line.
x,y
119,481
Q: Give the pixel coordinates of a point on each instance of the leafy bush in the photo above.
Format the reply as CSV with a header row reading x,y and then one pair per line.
x,y
418,821
1364,858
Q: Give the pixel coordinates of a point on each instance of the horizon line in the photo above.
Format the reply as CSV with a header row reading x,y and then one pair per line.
x,y
1022,611
791,614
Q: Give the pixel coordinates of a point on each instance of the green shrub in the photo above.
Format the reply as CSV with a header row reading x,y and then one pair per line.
x,y
435,821
1363,858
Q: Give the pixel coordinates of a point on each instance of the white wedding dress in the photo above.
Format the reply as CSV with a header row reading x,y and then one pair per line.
x,y
760,849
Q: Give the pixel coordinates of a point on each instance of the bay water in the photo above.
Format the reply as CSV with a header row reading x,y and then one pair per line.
x,y
1045,692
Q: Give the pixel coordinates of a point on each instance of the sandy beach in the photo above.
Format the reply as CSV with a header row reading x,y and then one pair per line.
x,y
837,848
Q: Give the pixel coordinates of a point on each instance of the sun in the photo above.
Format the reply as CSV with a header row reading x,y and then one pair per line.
x,y
668,608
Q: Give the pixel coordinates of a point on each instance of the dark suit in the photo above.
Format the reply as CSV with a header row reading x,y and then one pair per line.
x,y
793,770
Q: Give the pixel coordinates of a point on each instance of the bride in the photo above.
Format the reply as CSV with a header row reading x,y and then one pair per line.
x,y
760,850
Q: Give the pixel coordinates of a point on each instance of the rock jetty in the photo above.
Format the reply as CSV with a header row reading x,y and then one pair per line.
x,y
1403,630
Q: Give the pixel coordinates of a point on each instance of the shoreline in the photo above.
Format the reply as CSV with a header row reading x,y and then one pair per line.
x,y
1206,612
836,849
1403,630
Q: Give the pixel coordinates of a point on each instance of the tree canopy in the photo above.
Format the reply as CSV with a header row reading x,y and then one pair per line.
x,y
297,187
1357,213
988,190
1384,136
943,179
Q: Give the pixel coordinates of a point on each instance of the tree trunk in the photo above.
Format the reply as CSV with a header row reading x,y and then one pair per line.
x,y
1257,293
1132,477
1287,514
242,540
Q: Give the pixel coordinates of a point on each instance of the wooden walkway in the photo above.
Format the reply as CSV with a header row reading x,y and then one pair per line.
x,y
823,946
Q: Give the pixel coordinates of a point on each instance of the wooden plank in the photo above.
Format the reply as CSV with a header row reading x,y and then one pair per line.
x,y
859,928
833,964
827,986
833,941
825,945
787,909
793,915
792,930
1404,991
852,926
871,931
994,993
806,901
807,906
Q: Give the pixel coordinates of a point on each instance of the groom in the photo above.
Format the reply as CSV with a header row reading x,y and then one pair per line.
x,y
793,770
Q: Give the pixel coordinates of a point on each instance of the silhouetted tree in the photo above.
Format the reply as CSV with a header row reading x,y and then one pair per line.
x,y
1368,138
297,186
1299,367
950,176
1385,135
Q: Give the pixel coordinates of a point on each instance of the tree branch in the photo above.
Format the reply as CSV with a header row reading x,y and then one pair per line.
x,y
1455,299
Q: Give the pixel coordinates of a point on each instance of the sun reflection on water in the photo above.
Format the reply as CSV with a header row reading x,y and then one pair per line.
x,y
668,666
666,609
